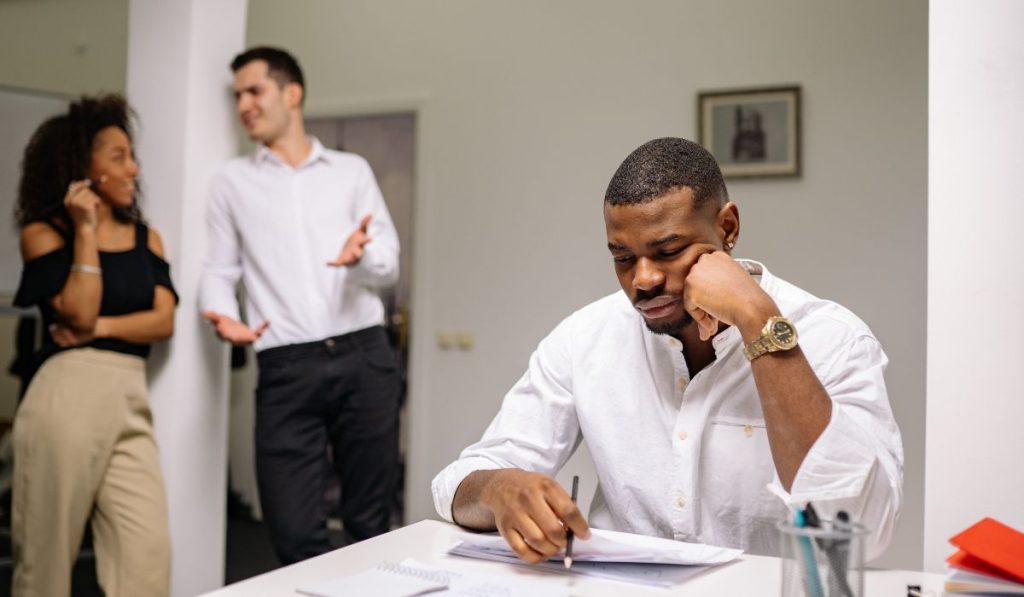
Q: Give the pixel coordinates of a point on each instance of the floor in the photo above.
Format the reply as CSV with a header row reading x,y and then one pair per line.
x,y
247,553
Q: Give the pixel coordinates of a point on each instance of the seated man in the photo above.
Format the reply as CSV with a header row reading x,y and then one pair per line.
x,y
704,414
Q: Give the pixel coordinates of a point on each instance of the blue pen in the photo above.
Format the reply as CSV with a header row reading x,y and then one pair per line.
x,y
812,582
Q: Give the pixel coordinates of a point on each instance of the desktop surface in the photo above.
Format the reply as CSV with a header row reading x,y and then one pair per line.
x,y
428,541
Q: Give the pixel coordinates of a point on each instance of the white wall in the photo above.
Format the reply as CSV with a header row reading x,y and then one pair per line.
x,y
975,292
526,108
65,46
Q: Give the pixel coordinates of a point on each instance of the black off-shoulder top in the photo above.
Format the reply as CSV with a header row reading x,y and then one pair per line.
x,y
129,285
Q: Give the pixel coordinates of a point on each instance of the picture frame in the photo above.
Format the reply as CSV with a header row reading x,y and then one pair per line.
x,y
752,132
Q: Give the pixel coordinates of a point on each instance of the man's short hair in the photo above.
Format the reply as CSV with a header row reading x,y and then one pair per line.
x,y
281,66
664,165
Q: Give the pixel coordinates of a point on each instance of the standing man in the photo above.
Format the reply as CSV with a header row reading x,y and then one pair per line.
x,y
711,394
307,231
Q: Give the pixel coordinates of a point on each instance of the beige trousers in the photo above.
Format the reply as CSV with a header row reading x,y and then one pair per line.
x,y
84,450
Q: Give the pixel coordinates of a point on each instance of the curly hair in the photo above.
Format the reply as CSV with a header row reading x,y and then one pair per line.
x,y
59,152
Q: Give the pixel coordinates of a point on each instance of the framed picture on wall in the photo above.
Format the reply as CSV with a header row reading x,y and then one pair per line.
x,y
752,132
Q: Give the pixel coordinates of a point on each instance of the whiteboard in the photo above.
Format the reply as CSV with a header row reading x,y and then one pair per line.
x,y
21,112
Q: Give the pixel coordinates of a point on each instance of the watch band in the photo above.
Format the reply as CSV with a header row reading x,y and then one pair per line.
x,y
767,342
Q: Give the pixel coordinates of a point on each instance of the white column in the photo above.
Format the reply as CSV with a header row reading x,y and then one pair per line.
x,y
975,406
179,82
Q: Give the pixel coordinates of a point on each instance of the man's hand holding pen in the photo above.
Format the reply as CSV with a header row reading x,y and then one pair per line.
x,y
533,513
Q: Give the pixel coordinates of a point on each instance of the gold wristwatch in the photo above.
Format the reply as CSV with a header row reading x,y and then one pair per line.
x,y
778,334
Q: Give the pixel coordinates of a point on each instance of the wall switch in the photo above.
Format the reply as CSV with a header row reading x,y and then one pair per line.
x,y
465,340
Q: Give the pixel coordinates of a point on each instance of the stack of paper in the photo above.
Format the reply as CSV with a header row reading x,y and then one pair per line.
x,y
990,560
611,554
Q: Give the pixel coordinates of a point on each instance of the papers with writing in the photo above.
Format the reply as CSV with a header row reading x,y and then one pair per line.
x,y
658,575
613,546
611,554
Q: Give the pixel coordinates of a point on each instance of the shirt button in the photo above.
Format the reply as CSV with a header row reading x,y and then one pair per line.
x,y
682,383
681,501
748,430
329,342
682,435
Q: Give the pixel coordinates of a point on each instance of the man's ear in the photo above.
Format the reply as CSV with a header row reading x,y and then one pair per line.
x,y
727,223
293,93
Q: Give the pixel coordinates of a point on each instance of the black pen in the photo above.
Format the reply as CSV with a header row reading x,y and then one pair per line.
x,y
568,532
836,562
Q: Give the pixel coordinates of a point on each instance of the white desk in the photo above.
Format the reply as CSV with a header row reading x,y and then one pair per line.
x,y
428,540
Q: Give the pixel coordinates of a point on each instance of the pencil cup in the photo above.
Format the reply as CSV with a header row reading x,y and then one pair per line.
x,y
825,561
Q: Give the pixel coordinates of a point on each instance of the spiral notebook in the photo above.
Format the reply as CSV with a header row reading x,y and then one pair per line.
x,y
412,577
388,579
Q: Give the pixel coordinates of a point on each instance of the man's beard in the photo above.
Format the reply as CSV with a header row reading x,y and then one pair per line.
x,y
669,327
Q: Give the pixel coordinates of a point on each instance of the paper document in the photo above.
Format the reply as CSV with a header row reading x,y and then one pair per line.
x,y
961,581
657,575
611,554
613,546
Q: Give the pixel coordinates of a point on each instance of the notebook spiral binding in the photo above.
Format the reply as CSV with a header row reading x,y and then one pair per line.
x,y
437,576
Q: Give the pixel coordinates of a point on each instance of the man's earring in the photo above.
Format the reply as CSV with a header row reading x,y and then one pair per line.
x,y
729,245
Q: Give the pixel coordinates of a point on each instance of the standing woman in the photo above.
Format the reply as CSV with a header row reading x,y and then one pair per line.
x,y
83,435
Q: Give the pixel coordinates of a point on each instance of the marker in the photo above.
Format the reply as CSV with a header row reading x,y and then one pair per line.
x,y
568,533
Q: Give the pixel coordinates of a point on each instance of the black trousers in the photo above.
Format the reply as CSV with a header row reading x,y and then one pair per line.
x,y
340,394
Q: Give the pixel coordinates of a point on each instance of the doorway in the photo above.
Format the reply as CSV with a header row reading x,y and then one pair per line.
x,y
387,142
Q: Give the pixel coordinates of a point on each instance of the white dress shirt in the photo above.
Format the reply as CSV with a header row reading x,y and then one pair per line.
x,y
276,227
686,458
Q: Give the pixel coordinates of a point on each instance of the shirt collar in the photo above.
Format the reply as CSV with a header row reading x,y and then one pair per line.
x,y
317,153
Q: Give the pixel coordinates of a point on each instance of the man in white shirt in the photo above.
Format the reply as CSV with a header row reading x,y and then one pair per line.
x,y
307,231
707,417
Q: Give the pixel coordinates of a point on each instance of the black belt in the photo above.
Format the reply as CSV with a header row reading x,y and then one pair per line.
x,y
332,345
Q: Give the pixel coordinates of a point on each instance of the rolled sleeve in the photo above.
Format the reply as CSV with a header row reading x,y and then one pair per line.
x,y
535,430
447,482
856,464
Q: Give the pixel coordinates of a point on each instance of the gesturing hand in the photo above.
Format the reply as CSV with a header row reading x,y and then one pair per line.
x,y
234,331
81,203
353,250
719,289
532,513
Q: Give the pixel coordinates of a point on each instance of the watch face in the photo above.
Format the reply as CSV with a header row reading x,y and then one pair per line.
x,y
783,333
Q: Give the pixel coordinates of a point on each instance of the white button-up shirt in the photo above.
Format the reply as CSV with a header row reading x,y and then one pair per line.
x,y
276,227
688,457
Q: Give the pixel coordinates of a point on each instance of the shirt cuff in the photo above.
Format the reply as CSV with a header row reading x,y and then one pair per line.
x,y
447,482
837,466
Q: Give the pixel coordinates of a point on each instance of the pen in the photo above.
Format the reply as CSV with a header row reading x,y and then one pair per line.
x,y
812,582
839,552
834,550
568,533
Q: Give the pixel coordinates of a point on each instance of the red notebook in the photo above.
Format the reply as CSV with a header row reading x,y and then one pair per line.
x,y
990,547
